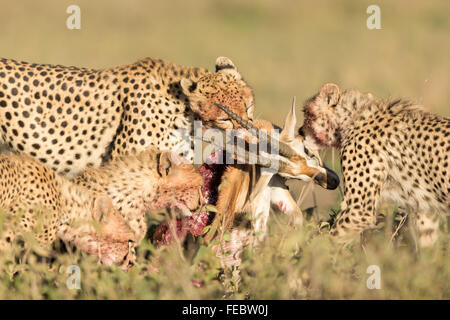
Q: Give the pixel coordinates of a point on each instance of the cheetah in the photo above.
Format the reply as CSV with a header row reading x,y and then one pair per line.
x,y
390,149
70,117
117,194
36,200
148,181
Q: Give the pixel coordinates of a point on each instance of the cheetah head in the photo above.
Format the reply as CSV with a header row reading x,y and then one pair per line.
x,y
322,124
226,87
328,113
179,187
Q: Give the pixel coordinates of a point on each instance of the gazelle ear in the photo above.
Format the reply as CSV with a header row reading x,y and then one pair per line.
x,y
164,164
102,207
288,132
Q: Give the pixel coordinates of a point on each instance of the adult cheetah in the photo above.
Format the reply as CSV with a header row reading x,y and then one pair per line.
x,y
69,117
390,149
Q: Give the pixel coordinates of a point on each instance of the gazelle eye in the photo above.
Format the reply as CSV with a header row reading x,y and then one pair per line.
x,y
301,132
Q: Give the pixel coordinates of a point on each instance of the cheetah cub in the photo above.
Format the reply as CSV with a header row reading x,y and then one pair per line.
x,y
51,206
147,181
35,200
390,149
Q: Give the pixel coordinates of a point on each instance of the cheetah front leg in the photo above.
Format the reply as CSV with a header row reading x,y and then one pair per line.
x,y
363,178
7,233
426,228
23,216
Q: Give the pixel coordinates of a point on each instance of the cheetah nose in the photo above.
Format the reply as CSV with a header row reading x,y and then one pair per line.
x,y
329,180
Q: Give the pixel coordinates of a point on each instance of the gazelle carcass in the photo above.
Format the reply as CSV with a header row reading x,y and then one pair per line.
x,y
251,189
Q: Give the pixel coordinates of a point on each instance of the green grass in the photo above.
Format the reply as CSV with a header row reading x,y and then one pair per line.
x,y
282,48
289,264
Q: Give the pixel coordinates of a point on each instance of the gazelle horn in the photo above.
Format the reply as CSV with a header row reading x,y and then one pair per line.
x,y
283,148
288,132
246,153
244,123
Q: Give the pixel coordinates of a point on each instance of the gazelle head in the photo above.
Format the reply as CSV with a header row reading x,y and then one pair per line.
x,y
295,161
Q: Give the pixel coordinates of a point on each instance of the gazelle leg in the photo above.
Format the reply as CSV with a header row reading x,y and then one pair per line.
x,y
282,199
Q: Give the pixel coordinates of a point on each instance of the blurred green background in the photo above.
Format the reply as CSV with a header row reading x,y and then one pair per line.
x,y
282,48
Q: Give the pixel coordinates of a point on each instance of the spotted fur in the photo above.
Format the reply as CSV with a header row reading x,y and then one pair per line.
x,y
390,149
48,205
35,200
70,117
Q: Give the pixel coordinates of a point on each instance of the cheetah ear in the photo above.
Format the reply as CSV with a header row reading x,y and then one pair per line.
x,y
224,64
102,207
188,86
330,92
163,163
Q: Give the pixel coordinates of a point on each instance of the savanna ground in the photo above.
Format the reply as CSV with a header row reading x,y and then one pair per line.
x,y
283,48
